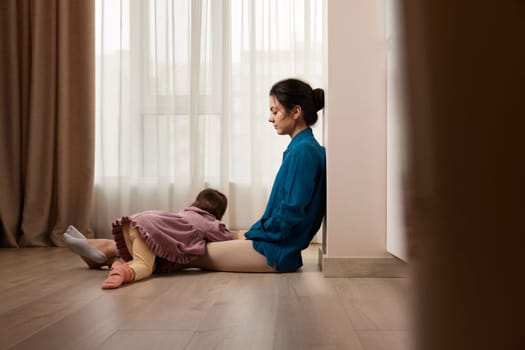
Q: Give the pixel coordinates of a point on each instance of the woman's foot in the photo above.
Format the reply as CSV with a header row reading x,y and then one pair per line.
x,y
118,274
73,232
79,245
96,253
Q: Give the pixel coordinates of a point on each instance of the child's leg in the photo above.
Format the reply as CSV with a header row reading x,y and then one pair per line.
x,y
139,268
119,273
143,261
232,256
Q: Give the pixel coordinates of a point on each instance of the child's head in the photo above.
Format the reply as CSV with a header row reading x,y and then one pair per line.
x,y
213,201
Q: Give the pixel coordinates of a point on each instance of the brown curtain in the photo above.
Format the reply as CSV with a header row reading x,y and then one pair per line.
x,y
46,119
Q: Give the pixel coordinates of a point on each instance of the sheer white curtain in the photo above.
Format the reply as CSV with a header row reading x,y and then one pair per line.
x,y
182,100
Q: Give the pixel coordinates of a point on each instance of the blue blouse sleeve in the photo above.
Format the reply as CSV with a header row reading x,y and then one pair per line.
x,y
298,186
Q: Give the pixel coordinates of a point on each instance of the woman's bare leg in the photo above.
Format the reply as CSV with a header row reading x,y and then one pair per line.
x,y
232,256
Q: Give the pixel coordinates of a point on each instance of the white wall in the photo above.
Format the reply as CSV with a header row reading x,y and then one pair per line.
x,y
396,149
356,129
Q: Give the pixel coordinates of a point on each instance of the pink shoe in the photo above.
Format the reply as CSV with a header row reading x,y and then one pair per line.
x,y
118,274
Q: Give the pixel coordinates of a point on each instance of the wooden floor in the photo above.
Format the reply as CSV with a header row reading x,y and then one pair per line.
x,y
50,300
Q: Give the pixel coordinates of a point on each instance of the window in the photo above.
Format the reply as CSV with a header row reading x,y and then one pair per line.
x,y
182,96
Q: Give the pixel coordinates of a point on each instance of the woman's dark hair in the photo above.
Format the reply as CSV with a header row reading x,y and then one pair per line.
x,y
213,201
295,92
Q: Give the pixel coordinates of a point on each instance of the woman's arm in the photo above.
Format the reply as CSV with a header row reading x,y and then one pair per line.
x,y
298,186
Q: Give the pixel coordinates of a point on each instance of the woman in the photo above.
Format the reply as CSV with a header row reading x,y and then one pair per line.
x,y
297,201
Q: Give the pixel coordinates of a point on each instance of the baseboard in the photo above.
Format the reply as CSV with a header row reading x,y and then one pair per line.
x,y
381,266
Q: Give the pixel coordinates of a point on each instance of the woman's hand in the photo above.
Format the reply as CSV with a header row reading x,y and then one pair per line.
x,y
239,234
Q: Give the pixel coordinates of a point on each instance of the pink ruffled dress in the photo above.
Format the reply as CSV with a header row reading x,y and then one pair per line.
x,y
175,238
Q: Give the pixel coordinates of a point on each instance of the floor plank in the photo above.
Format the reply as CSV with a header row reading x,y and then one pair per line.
x,y
50,300
148,339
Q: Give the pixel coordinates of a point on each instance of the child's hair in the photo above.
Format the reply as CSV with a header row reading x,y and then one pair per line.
x,y
213,201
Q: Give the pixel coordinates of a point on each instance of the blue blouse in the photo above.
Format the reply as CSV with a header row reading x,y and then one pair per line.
x,y
296,206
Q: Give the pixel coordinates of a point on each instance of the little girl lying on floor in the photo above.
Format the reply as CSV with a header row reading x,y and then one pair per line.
x,y
158,241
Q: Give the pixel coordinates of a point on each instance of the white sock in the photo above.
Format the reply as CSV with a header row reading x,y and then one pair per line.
x,y
80,246
73,232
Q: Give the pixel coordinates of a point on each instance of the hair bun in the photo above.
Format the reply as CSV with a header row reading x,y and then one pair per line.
x,y
318,95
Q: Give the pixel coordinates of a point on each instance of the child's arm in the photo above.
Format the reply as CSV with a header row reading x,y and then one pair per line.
x,y
219,232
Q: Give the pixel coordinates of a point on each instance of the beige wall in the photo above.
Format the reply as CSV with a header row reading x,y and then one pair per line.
x,y
356,129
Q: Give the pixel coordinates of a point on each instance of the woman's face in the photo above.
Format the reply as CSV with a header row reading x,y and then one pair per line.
x,y
284,122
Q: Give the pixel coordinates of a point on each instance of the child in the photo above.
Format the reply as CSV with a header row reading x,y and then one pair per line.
x,y
160,241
